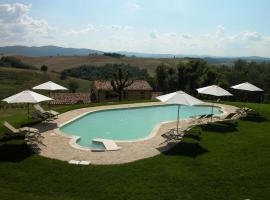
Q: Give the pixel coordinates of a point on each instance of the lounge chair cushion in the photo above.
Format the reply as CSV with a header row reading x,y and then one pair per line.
x,y
53,112
29,129
84,162
74,162
79,162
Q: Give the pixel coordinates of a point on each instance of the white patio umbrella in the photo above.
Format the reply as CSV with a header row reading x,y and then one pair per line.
x,y
213,90
51,86
247,87
180,98
27,96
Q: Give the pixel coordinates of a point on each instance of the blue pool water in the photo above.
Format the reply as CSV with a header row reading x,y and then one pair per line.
x,y
127,123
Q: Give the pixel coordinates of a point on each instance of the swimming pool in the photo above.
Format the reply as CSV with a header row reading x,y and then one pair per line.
x,y
127,123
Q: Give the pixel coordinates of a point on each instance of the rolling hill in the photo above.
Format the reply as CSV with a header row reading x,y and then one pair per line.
x,y
59,63
46,51
13,80
58,58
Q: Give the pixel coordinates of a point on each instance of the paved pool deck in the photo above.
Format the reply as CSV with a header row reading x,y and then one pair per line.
x,y
55,145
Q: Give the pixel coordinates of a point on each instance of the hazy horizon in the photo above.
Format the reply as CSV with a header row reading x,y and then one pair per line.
x,y
187,27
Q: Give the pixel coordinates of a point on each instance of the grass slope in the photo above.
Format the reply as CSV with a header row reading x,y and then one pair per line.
x,y
224,162
59,63
14,80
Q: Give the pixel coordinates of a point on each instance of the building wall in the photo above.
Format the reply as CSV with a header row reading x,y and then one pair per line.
x,y
102,96
137,95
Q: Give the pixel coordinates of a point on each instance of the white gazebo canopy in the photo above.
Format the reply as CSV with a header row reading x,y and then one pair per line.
x,y
180,98
247,86
51,86
214,90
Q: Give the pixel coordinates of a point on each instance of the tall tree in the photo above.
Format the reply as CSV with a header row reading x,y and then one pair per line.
x,y
162,76
121,80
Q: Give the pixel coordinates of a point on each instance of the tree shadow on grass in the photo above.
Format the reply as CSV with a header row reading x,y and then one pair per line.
x,y
47,126
220,127
194,137
192,150
14,152
255,118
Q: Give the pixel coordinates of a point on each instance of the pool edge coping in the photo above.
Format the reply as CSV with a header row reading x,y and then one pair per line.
x,y
73,139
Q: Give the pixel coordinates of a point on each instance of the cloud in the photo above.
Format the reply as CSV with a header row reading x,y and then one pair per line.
x,y
13,12
116,27
18,27
134,6
88,29
220,31
153,35
249,35
187,36
16,24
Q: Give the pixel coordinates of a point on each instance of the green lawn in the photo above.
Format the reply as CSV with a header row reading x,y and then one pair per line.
x,y
13,80
224,162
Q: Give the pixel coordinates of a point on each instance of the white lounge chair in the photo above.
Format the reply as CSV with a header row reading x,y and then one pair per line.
x,y
84,162
74,162
79,162
46,112
109,145
19,130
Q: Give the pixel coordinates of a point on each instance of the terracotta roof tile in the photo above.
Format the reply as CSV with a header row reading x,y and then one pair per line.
x,y
136,85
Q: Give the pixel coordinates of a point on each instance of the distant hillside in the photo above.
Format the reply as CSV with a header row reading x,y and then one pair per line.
x,y
230,61
59,58
60,63
46,51
14,80
209,59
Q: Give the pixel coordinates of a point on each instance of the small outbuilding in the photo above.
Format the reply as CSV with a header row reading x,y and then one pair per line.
x,y
102,91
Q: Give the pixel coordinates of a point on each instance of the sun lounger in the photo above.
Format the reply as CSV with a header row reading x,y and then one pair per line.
x,y
51,113
229,117
84,162
74,162
79,162
20,130
201,119
109,145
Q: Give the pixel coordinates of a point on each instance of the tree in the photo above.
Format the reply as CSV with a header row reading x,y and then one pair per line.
x,y
121,80
181,76
44,68
73,86
63,75
162,76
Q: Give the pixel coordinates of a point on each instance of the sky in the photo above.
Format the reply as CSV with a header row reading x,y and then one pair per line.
x,y
190,27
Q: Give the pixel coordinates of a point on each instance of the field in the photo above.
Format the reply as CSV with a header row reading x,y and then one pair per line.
x,y
59,63
14,80
227,161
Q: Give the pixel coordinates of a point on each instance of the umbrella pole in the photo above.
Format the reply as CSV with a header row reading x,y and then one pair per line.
x,y
212,111
49,105
178,118
28,112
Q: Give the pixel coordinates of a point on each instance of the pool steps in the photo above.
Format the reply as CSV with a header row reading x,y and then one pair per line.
x,y
109,145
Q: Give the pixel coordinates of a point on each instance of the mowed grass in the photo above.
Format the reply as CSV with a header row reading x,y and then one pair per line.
x,y
224,162
59,63
15,80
